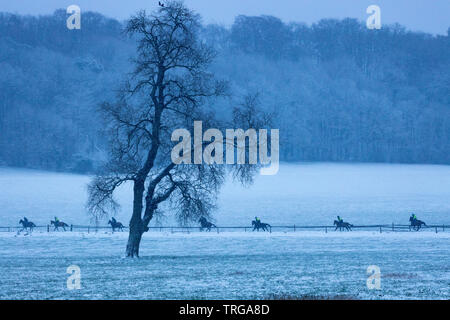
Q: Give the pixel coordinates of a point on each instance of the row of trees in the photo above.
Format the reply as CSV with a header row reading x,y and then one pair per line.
x,y
338,91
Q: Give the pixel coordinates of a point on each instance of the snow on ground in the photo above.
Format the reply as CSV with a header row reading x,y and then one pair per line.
x,y
233,265
237,265
309,194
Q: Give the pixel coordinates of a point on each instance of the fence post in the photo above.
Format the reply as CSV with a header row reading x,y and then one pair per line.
x,y
294,227
71,227
217,229
436,229
88,229
393,229
443,228
380,229
326,229
48,228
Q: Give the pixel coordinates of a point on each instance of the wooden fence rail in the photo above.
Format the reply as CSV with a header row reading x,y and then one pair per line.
x,y
294,228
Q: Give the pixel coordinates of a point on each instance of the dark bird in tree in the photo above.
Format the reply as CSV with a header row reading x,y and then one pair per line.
x,y
167,91
160,4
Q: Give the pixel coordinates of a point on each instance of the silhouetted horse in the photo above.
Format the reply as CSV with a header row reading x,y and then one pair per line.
x,y
342,225
259,225
27,224
59,224
205,224
416,224
115,225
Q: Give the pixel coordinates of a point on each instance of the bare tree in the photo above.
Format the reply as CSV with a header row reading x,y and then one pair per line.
x,y
167,90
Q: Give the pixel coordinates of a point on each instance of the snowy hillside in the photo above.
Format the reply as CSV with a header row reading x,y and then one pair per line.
x,y
299,194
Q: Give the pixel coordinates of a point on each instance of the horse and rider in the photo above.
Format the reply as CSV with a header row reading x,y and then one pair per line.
x,y
342,225
415,223
57,223
257,224
26,224
205,224
115,224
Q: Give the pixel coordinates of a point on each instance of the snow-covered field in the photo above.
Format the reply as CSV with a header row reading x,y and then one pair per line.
x,y
308,194
226,265
238,265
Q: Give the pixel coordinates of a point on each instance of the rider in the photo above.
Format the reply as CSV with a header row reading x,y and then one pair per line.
x,y
25,219
113,220
340,220
257,220
413,216
56,220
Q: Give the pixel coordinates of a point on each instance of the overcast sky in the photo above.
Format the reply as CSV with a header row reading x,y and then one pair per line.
x,y
431,16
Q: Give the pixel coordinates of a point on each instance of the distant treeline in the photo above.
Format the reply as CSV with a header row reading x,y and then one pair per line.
x,y
337,91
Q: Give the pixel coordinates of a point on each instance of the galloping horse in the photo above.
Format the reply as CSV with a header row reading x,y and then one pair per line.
x,y
342,225
205,224
416,224
259,225
27,224
115,225
59,224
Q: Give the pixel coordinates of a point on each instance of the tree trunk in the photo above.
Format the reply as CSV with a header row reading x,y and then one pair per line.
x,y
136,225
134,240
